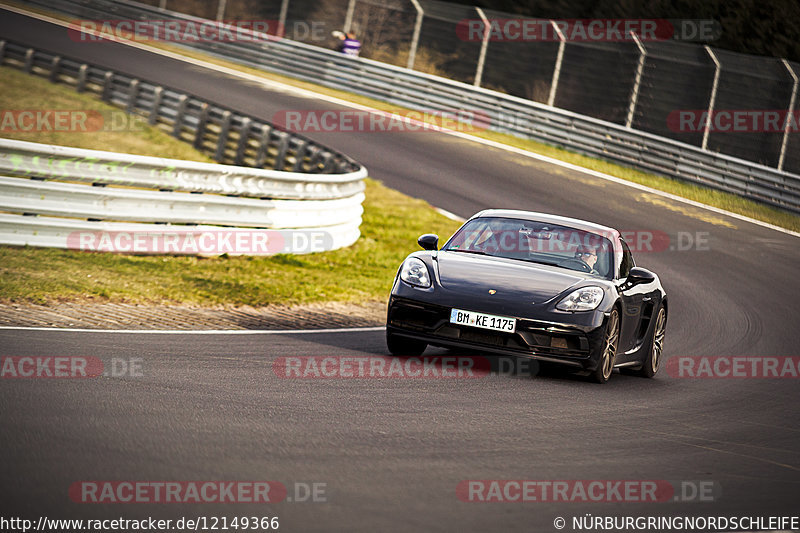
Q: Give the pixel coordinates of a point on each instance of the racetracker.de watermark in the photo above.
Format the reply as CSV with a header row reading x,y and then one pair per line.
x,y
586,491
208,491
734,121
202,242
733,367
363,367
587,30
377,121
175,31
523,240
177,492
68,121
68,367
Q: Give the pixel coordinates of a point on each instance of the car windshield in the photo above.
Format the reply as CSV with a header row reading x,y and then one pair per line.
x,y
537,242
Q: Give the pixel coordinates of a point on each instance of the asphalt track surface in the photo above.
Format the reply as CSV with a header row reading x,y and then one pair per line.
x,y
392,451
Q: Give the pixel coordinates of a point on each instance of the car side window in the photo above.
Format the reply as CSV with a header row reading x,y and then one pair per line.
x,y
626,263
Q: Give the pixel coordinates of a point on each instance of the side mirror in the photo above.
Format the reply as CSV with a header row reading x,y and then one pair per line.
x,y
639,275
429,241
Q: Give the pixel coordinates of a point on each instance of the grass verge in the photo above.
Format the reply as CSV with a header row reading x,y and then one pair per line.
x,y
362,272
106,128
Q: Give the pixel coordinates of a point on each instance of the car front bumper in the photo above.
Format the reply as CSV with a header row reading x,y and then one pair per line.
x,y
576,344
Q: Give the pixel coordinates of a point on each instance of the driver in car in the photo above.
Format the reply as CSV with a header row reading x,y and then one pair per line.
x,y
587,254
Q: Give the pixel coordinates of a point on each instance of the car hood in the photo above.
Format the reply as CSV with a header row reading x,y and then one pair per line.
x,y
513,280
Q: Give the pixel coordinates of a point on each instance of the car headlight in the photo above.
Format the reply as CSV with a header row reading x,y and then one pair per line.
x,y
583,299
415,273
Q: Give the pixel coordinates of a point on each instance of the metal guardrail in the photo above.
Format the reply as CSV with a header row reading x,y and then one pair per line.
x,y
112,203
502,113
20,158
39,180
55,232
228,136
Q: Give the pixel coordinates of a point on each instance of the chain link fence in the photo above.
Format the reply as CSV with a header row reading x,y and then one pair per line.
x,y
736,104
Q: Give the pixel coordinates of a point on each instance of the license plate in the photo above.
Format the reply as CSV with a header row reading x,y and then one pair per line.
x,y
482,320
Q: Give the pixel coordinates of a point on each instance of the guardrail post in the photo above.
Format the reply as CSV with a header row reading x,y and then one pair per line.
x,y
789,118
314,153
177,127
713,99
348,18
559,60
133,93
283,147
55,65
263,146
637,82
29,60
2,51
412,52
241,146
225,128
202,122
108,82
83,71
158,95
327,161
300,155
221,9
484,45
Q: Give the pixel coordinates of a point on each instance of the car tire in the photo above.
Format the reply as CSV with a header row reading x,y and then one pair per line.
x,y
609,349
655,352
403,346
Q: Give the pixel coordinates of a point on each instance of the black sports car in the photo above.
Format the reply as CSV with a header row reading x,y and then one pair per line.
x,y
534,285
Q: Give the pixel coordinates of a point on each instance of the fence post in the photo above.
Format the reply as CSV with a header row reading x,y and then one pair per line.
x,y
412,53
283,146
108,86
487,31
83,72
557,70
133,94
282,18
162,5
263,146
787,128
221,9
300,155
177,127
2,50
158,94
29,60
202,122
55,65
225,128
638,81
241,146
348,19
713,98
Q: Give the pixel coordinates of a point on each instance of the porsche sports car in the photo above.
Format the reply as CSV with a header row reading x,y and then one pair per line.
x,y
542,286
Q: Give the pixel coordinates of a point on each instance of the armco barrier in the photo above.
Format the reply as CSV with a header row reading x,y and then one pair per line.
x,y
228,136
139,195
503,113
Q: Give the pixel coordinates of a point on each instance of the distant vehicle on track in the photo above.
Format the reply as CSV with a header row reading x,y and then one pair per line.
x,y
534,285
